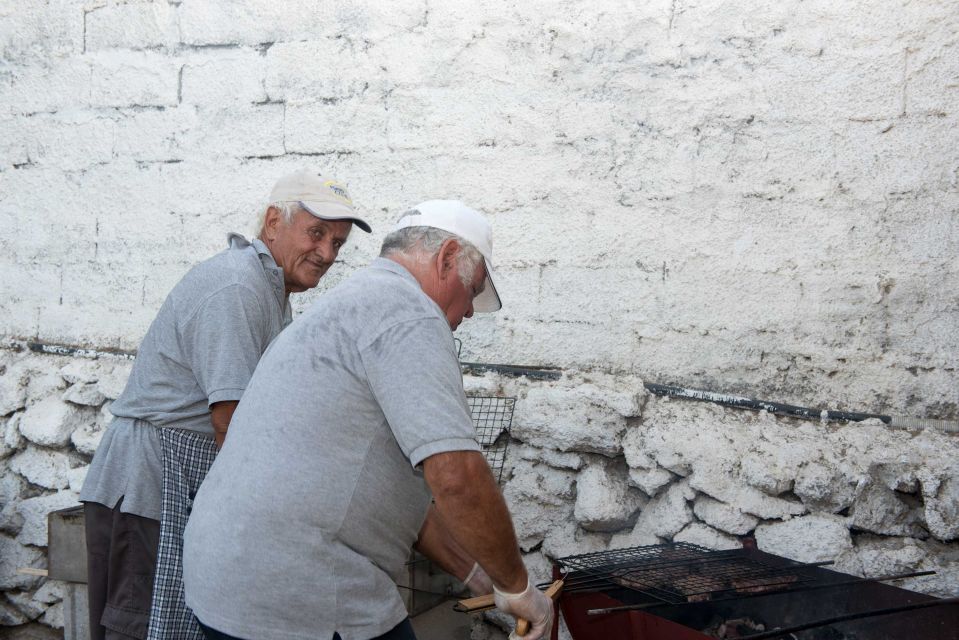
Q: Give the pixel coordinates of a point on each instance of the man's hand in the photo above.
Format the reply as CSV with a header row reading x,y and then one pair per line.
x,y
531,605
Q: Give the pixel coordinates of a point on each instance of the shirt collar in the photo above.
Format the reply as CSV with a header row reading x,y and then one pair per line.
x,y
236,241
264,251
395,267
272,271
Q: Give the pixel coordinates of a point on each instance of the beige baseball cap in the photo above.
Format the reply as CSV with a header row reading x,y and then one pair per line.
x,y
324,197
470,225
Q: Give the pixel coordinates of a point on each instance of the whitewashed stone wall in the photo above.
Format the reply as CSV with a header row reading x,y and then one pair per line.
x,y
759,199
53,410
595,463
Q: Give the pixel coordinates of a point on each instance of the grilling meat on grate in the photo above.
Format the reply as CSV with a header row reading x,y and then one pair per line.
x,y
706,588
762,585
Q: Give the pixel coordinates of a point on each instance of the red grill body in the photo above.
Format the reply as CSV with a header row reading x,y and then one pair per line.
x,y
776,609
627,624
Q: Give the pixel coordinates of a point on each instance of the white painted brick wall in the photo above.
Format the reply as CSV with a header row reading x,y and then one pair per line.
x,y
247,131
51,28
222,22
760,200
45,85
141,79
317,128
134,25
218,77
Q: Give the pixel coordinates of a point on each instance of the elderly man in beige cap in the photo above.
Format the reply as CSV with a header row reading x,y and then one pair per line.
x,y
309,514
191,369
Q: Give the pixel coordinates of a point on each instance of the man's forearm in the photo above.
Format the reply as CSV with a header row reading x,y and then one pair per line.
x,y
436,543
220,415
475,514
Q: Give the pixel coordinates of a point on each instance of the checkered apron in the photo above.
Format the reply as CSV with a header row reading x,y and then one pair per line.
x,y
187,457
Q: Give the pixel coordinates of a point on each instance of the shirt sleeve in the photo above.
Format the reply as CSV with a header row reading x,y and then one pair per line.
x,y
413,372
223,341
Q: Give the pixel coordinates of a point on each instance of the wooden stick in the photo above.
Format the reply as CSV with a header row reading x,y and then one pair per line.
x,y
30,571
484,603
475,605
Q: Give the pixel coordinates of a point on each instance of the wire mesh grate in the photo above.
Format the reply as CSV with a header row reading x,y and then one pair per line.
x,y
492,417
677,572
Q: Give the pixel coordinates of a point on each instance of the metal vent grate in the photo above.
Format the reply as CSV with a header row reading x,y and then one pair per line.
x,y
492,417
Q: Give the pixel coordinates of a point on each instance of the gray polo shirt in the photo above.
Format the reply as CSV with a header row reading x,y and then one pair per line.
x,y
309,512
201,348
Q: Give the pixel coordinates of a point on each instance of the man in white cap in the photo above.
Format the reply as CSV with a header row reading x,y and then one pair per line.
x,y
191,370
308,516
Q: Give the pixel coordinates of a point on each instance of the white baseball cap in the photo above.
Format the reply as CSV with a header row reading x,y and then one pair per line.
x,y
470,225
325,198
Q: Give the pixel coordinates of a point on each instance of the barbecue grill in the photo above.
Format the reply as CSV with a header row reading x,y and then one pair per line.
x,y
686,592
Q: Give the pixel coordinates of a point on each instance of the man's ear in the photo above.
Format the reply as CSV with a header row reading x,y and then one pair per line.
x,y
449,250
270,223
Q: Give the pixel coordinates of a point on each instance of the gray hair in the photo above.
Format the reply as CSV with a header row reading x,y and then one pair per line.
x,y
287,211
423,243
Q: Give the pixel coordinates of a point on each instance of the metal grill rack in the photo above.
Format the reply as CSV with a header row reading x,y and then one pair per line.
x,y
676,573
492,417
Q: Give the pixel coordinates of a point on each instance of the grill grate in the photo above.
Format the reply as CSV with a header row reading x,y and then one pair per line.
x,y
492,417
676,573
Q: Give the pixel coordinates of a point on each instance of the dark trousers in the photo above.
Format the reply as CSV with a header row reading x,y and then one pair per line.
x,y
402,631
121,559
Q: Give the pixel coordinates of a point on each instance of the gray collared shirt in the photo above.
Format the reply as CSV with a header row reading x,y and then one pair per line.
x,y
201,348
310,510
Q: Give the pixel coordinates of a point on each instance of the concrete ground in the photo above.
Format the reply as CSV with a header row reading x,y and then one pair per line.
x,y
31,631
442,623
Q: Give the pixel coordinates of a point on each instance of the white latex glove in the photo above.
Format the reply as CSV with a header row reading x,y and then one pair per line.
x,y
532,605
477,581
